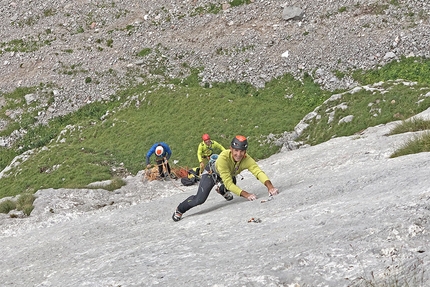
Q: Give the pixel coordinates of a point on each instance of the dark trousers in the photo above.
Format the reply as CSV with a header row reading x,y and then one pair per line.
x,y
207,182
160,167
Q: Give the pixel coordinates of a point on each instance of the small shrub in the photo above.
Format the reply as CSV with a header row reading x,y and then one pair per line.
x,y
339,74
342,9
235,3
377,9
214,9
144,52
109,43
24,199
7,206
27,209
25,203
49,12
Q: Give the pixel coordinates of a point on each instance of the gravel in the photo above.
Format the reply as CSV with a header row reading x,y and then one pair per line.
x,y
86,51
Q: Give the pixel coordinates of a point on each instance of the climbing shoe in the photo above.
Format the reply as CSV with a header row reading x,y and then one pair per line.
x,y
176,215
228,196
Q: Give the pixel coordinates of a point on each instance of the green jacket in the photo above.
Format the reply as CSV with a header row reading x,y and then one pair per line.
x,y
205,151
227,168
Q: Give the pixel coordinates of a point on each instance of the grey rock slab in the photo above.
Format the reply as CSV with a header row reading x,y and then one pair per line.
x,y
345,210
292,12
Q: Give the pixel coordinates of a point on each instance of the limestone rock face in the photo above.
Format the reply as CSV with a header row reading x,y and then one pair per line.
x,y
347,214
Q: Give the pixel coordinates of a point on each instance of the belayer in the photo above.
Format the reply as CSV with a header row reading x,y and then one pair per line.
x,y
206,149
222,171
162,153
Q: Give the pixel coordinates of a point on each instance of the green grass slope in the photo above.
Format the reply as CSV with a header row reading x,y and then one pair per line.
x,y
108,139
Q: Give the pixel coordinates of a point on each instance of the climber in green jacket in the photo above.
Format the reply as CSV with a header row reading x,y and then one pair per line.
x,y
206,149
222,171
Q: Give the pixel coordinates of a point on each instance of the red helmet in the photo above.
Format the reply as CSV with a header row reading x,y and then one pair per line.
x,y
206,137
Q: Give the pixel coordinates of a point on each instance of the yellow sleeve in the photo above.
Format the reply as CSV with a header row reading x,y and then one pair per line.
x,y
225,166
200,151
218,145
250,164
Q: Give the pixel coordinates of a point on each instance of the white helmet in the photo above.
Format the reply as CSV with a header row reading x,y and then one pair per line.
x,y
159,150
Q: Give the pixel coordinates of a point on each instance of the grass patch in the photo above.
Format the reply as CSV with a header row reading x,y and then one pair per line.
x,y
15,99
207,9
7,155
24,203
388,100
19,45
72,69
411,126
368,107
417,144
411,69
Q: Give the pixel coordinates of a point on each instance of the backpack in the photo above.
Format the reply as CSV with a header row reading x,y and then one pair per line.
x,y
188,181
192,178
